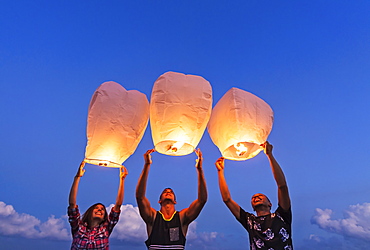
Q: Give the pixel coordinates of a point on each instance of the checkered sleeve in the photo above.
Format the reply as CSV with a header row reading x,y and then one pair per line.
x,y
113,219
74,218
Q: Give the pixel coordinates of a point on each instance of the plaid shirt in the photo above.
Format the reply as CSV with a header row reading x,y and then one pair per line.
x,y
95,238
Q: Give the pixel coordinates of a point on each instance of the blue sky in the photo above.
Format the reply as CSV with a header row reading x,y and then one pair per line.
x,y
308,59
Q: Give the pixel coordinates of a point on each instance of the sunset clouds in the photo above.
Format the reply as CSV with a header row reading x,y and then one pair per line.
x,y
355,222
28,226
130,228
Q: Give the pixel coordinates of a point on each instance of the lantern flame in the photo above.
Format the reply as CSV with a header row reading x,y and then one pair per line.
x,y
240,148
176,146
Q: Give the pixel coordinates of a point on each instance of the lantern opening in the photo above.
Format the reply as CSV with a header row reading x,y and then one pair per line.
x,y
241,151
175,148
103,163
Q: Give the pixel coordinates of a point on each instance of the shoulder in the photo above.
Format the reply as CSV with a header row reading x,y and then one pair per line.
x,y
246,219
242,211
156,214
243,215
280,210
284,215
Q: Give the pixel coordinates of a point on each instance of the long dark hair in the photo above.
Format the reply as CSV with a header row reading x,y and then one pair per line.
x,y
86,217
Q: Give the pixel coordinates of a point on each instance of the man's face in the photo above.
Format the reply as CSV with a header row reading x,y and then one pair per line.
x,y
168,194
260,200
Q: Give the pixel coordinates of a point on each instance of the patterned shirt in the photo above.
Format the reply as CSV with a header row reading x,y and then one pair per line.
x,y
95,238
269,232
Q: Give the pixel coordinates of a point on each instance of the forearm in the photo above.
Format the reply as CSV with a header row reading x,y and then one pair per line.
x,y
202,187
224,190
120,195
146,211
277,172
141,185
283,193
73,192
226,197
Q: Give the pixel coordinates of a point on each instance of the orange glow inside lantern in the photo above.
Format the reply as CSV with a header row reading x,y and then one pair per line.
x,y
180,108
116,123
239,124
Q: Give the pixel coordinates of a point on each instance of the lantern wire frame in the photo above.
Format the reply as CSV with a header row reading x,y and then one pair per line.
x,y
103,163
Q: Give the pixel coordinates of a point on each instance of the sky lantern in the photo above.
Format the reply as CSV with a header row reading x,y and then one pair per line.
x,y
239,124
180,108
116,122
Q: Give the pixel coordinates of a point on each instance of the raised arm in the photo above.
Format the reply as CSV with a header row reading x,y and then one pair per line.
x,y
74,188
283,193
224,189
145,209
191,213
121,189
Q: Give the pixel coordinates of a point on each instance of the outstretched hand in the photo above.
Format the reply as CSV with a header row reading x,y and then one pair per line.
x,y
198,161
81,170
123,172
220,163
267,148
148,157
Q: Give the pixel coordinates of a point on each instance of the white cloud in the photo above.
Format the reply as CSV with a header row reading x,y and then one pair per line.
x,y
355,224
54,228
199,240
337,242
28,226
203,236
315,238
130,227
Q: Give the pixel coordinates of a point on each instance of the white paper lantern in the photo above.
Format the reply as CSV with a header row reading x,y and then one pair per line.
x,y
239,124
117,119
180,108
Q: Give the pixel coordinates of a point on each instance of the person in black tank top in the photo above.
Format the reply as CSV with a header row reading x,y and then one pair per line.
x,y
166,232
167,227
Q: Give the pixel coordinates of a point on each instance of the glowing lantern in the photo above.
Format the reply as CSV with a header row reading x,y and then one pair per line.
x,y
180,108
239,124
117,119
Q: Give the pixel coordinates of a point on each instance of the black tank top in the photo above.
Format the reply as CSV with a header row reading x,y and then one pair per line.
x,y
166,233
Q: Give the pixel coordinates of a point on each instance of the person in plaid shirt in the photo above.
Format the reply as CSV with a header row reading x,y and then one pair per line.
x,y
95,227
